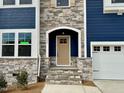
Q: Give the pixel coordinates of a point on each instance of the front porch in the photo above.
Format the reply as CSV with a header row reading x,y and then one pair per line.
x,y
63,59
82,68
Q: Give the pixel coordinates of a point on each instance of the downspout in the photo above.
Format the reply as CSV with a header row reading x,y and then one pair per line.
x,y
39,60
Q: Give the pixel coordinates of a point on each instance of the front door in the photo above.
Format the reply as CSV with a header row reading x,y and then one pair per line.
x,y
63,50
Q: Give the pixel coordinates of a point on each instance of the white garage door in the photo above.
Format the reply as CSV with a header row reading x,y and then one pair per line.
x,y
108,62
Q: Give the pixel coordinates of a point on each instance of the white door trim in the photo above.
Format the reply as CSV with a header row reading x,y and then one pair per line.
x,y
85,29
69,49
68,28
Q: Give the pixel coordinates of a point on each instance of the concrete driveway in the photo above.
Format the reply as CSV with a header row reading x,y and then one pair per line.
x,y
110,86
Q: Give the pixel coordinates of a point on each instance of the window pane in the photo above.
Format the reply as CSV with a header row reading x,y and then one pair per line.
x,y
8,50
62,2
25,38
8,2
24,50
8,38
96,48
117,48
25,1
106,48
117,1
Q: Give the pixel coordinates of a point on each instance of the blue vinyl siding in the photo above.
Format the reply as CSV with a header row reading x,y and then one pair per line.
x,y
102,27
17,18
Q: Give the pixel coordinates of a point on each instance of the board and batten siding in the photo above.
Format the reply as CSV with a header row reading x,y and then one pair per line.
x,y
17,18
102,27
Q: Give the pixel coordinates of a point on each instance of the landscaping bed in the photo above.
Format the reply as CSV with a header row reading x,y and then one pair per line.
x,y
88,83
33,88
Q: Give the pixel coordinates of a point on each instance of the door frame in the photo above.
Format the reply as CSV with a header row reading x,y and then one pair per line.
x,y
69,49
68,28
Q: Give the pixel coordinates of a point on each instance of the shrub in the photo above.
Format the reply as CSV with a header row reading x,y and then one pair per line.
x,y
3,83
22,79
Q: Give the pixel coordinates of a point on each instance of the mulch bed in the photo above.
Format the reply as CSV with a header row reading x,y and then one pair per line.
x,y
33,88
88,83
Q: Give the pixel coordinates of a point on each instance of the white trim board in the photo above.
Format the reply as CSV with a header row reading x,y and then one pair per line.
x,y
69,49
33,44
85,29
63,27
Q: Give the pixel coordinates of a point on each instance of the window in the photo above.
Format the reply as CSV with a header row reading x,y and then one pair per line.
x,y
62,3
24,48
63,41
114,6
96,48
25,1
117,48
117,1
8,2
106,48
8,41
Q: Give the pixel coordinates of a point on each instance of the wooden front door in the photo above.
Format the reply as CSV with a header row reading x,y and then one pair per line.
x,y
63,52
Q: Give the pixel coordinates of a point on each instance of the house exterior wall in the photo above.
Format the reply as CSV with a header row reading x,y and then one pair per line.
x,y
20,19
102,27
52,17
9,67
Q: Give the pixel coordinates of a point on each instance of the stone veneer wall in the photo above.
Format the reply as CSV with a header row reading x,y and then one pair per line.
x,y
52,17
45,64
10,66
85,65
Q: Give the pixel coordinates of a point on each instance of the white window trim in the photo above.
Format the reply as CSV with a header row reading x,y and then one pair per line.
x,y
34,47
24,45
7,44
110,7
108,3
18,5
62,6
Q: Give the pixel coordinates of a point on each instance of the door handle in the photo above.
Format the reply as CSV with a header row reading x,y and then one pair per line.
x,y
95,70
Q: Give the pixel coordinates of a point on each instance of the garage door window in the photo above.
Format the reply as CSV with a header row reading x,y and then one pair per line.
x,y
96,48
117,48
106,48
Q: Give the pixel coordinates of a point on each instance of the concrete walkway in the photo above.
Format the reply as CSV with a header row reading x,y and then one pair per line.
x,y
110,86
69,89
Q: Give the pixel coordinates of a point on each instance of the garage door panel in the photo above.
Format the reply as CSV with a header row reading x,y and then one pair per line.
x,y
108,65
113,76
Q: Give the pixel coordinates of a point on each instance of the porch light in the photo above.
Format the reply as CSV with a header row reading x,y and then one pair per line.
x,y
63,33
